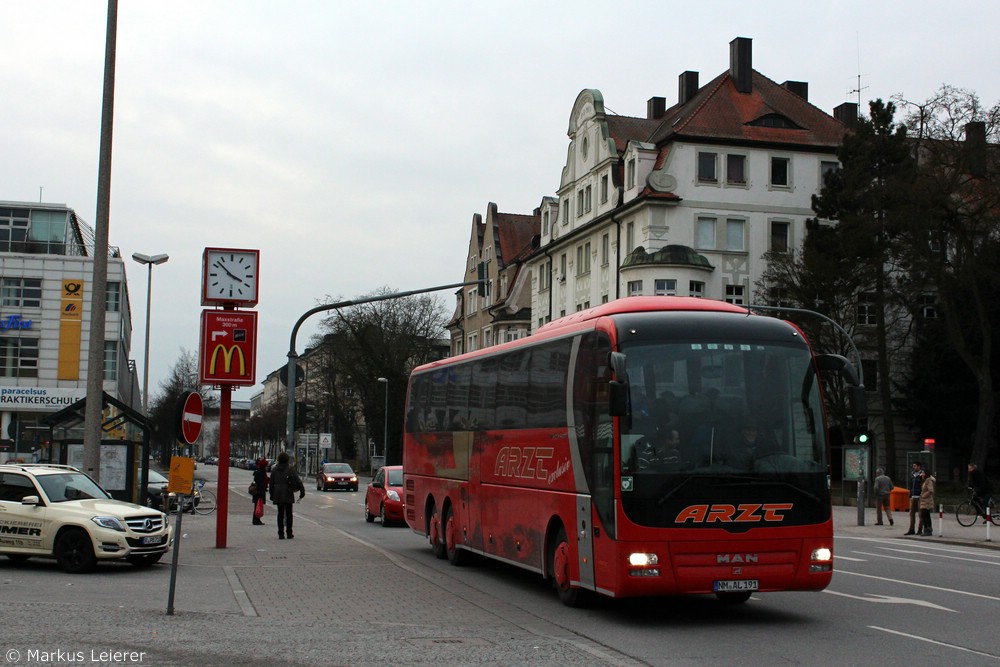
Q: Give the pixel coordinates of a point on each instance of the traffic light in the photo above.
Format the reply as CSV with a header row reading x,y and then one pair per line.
x,y
864,438
303,414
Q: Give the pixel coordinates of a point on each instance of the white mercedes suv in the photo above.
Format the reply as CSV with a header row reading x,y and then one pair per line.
x,y
56,511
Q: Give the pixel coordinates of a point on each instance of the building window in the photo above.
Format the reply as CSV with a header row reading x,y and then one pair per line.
x,y
579,203
565,211
587,192
629,236
706,168
867,306
510,335
18,357
583,259
696,288
604,189
470,302
487,337
473,338
705,233
545,276
735,294
113,301
869,368
781,172
825,168
635,288
472,262
110,360
736,169
665,287
630,174
735,235
545,223
21,292
928,307
779,236
13,230
562,267
605,249
779,298
604,298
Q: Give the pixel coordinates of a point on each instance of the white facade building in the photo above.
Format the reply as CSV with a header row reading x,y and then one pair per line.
x,y
46,276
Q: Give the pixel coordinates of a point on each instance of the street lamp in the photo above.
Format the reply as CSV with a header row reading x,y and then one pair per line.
x,y
149,261
385,429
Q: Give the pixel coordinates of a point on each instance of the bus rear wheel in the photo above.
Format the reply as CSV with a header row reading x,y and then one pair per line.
x,y
560,558
452,533
435,535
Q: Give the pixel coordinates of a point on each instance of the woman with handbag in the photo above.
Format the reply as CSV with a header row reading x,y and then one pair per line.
x,y
258,491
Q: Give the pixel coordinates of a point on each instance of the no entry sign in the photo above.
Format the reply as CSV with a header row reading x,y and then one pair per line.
x,y
189,417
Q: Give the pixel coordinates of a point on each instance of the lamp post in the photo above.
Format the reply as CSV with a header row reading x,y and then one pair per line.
x,y
149,261
385,429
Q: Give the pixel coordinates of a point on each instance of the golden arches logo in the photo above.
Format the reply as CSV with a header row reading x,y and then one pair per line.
x,y
227,359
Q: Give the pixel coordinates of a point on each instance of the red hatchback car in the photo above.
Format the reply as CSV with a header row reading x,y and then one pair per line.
x,y
336,476
384,497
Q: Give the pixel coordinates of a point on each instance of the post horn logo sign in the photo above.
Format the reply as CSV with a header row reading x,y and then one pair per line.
x,y
228,347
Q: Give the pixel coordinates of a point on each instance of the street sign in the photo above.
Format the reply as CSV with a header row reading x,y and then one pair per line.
x,y
191,414
228,347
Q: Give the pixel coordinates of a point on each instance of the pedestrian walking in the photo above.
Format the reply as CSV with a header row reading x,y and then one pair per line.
x,y
285,482
926,503
883,493
260,487
916,480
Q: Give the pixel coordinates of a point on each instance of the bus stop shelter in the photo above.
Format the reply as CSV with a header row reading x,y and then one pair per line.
x,y
124,462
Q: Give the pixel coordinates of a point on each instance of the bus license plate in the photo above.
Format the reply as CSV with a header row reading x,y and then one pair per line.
x,y
151,539
736,585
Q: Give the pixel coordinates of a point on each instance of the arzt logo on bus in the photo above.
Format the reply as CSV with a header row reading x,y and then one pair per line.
x,y
746,513
526,462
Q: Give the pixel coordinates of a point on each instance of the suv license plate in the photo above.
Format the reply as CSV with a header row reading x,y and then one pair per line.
x,y
736,585
151,539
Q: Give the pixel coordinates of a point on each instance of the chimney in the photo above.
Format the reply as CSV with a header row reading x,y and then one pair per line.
x,y
655,107
740,63
687,86
975,147
800,88
846,113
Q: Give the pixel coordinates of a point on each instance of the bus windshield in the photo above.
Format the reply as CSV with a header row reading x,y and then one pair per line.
x,y
736,422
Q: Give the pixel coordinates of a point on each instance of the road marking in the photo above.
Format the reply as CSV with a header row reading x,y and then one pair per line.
x,y
967,560
934,641
912,560
888,599
911,583
856,560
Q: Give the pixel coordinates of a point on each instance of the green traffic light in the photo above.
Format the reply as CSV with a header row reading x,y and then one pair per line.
x,y
863,438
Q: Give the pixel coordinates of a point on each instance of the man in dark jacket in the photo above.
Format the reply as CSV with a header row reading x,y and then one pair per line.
x,y
981,485
916,481
285,482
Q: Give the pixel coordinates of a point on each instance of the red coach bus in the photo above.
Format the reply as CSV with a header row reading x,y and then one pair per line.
x,y
648,446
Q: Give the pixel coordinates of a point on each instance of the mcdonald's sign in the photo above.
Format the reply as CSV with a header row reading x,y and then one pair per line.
x,y
228,353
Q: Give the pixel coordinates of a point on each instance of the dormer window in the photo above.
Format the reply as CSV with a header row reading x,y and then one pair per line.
x,y
775,120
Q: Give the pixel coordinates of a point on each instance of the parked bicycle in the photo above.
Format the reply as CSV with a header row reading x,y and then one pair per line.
x,y
971,510
202,501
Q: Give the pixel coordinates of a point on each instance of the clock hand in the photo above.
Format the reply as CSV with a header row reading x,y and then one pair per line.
x,y
227,271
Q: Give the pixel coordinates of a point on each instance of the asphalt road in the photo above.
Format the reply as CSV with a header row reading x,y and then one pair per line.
x,y
346,592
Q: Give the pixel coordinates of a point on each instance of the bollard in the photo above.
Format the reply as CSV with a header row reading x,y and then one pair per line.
x,y
989,523
941,520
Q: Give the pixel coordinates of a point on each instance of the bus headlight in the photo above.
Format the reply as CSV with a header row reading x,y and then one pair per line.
x,y
643,565
821,560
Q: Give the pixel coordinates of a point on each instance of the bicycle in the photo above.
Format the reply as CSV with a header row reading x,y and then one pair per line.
x,y
971,510
205,501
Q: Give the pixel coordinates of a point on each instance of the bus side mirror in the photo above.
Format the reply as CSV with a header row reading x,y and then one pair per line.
x,y
617,398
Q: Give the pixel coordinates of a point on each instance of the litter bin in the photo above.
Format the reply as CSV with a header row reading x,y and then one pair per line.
x,y
899,500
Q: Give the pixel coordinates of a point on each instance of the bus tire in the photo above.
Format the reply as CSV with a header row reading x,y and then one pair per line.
x,y
435,535
560,558
452,533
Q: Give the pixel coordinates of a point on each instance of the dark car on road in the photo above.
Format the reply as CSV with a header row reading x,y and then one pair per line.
x,y
384,497
336,476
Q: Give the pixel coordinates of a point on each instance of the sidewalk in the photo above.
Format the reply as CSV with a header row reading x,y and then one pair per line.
x,y
946,528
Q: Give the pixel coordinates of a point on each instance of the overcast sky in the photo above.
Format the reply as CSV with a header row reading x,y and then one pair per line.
x,y
352,142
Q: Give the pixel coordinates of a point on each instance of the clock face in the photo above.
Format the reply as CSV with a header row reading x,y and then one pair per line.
x,y
230,276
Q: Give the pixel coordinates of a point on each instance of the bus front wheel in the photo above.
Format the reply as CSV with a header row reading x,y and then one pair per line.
x,y
559,565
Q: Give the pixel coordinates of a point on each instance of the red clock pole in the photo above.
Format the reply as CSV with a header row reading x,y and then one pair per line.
x,y
222,515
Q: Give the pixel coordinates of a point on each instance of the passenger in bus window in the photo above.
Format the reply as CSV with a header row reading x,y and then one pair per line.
x,y
743,452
